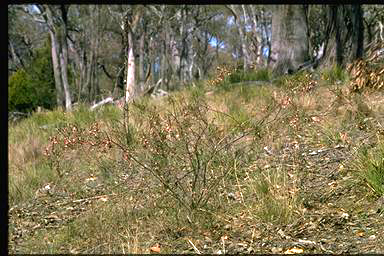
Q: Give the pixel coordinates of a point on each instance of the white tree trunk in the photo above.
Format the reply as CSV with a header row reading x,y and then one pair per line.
x,y
129,27
64,69
175,55
242,32
59,50
259,54
56,68
64,77
130,85
141,62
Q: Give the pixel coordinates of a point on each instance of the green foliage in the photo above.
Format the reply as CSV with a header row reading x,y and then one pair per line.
x,y
275,205
20,93
370,166
83,115
33,86
254,75
109,112
52,118
238,75
241,117
316,20
196,91
261,74
334,74
180,167
298,82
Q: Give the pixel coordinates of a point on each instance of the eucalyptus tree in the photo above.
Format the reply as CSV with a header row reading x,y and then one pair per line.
x,y
130,23
290,44
176,53
215,28
240,19
17,43
206,21
373,19
317,20
55,18
344,34
167,55
91,36
260,37
24,36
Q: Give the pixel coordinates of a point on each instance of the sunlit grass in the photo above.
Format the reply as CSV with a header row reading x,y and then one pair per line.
x,y
146,205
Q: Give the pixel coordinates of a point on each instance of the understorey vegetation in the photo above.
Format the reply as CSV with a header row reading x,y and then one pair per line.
x,y
235,168
215,129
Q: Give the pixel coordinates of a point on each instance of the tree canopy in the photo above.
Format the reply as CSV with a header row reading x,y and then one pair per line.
x,y
101,50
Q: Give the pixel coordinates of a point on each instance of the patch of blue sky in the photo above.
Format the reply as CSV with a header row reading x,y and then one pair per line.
x,y
213,42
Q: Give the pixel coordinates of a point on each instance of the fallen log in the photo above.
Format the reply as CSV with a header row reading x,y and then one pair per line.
x,y
101,103
16,116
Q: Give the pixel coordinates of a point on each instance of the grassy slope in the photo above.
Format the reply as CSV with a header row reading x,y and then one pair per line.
x,y
307,160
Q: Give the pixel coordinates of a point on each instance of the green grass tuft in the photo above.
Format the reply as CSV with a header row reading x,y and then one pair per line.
x,y
370,167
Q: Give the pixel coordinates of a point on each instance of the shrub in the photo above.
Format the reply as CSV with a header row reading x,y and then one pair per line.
x,y
188,152
33,86
186,149
21,95
299,82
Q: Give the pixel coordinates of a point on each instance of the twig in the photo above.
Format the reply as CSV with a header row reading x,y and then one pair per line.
x,y
194,247
223,241
91,198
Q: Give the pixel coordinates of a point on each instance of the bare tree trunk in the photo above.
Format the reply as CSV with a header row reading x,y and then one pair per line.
x,y
380,35
333,46
64,59
241,29
131,20
207,62
182,53
15,56
86,90
164,66
191,64
175,57
89,89
141,61
152,58
56,69
79,63
358,32
96,85
55,56
266,36
369,32
130,86
59,54
345,35
257,38
217,50
64,77
290,44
